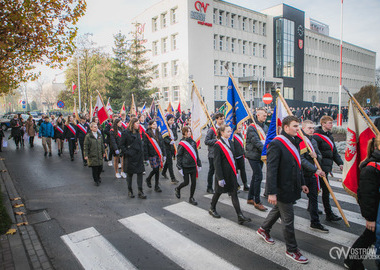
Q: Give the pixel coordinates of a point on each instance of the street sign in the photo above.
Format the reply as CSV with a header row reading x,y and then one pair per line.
x,y
23,103
23,106
60,104
368,100
267,98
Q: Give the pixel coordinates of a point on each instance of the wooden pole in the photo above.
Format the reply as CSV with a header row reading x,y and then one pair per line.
x,y
202,103
316,163
167,126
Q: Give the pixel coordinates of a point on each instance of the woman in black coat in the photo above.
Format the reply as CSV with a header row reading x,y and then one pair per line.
x,y
16,130
240,156
115,144
186,164
225,173
132,148
368,197
153,138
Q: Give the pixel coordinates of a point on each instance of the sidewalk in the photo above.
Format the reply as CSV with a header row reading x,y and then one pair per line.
x,y
22,250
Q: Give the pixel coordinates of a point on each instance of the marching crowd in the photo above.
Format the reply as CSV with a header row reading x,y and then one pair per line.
x,y
129,143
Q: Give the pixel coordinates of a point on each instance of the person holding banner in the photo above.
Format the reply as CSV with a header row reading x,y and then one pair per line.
x,y
225,173
210,141
69,133
312,174
154,151
58,134
240,155
368,198
188,163
284,184
326,145
169,142
115,146
82,129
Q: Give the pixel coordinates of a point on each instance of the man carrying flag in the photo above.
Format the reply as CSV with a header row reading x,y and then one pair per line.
x,y
169,142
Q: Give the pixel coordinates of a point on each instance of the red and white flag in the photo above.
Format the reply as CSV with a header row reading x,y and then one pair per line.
x,y
198,118
100,110
358,135
109,108
122,110
73,87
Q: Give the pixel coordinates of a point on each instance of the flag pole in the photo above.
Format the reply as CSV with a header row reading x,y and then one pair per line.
x,y
300,133
359,107
203,105
90,107
101,99
167,126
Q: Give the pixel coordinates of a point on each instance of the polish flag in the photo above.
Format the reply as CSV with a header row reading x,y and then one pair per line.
x,y
73,86
358,135
198,117
179,107
100,110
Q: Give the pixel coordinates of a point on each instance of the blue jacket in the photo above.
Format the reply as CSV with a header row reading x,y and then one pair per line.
x,y
46,130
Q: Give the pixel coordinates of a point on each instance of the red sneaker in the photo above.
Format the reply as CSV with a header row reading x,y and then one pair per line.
x,y
297,256
265,236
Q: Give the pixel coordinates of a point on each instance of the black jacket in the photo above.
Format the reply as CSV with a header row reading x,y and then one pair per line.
x,y
184,159
223,169
210,141
132,148
369,184
80,133
106,132
328,156
68,134
284,176
148,147
115,140
307,161
253,144
57,133
239,150
170,147
16,127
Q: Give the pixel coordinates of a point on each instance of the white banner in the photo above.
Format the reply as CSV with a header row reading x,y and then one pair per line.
x,y
198,118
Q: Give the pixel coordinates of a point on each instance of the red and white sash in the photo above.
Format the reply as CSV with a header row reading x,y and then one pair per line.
x,y
239,139
119,133
84,130
191,151
375,165
327,140
291,147
59,129
313,149
227,152
213,129
172,137
71,129
124,124
261,133
142,128
156,148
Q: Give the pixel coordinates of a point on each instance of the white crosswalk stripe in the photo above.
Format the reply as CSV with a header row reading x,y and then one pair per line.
x,y
175,246
245,237
93,251
302,224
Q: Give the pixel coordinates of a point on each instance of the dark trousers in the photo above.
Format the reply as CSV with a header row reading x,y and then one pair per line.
x,y
326,197
156,173
189,174
96,171
211,171
234,199
139,181
31,141
71,147
81,144
364,241
169,165
240,165
286,212
17,140
257,177
311,183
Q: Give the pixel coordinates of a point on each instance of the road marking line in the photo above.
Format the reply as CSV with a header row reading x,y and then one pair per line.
x,y
245,237
94,251
172,244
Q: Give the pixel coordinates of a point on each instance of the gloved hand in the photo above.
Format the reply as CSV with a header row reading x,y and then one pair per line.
x,y
199,169
172,142
221,183
117,152
237,176
164,159
181,172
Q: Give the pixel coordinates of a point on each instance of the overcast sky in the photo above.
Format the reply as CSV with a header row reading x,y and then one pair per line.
x,y
360,26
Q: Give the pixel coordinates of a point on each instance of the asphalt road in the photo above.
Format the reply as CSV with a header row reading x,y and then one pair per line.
x,y
102,228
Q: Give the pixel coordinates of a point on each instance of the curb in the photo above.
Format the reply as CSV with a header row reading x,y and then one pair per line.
x,y
26,250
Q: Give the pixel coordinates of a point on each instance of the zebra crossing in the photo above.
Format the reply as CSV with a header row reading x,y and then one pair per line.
x,y
94,251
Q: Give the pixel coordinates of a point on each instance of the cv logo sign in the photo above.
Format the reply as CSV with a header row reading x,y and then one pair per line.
x,y
199,6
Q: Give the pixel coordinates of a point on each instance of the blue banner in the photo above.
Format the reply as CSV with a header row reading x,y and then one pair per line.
x,y
235,113
161,123
272,132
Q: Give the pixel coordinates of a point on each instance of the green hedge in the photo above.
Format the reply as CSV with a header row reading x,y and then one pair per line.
x,y
5,220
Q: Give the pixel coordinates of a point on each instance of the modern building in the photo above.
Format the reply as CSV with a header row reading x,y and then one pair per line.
x,y
275,48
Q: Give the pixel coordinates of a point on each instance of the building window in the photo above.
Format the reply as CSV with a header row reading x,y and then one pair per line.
x,y
254,70
215,67
221,68
175,93
174,15
244,45
264,71
284,50
175,67
233,45
163,20
220,17
227,19
289,92
232,20
155,47
214,16
227,41
264,51
166,94
244,68
254,49
154,24
244,19
215,92
164,45
254,26
221,43
174,42
221,92
215,36
264,29
244,92
233,69
164,70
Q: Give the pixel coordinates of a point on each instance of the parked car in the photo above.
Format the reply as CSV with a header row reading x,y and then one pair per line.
x,y
5,120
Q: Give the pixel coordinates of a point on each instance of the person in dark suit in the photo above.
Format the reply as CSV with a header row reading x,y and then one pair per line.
x,y
377,123
284,184
69,132
225,173
82,129
132,148
169,142
240,155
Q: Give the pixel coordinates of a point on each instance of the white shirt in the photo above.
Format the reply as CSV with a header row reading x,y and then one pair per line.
x,y
95,134
226,141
